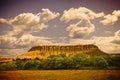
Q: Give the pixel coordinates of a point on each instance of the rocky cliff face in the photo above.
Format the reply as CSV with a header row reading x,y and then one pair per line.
x,y
47,50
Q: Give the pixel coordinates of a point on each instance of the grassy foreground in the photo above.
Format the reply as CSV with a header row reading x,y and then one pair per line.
x,y
60,75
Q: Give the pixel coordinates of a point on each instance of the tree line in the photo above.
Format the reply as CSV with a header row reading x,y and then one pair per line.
x,y
61,61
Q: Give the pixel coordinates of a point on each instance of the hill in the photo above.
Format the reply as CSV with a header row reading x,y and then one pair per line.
x,y
47,50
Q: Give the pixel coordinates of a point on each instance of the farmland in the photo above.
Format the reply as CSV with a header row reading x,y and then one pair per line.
x,y
60,75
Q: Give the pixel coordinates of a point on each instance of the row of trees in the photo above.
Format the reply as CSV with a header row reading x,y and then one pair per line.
x,y
61,61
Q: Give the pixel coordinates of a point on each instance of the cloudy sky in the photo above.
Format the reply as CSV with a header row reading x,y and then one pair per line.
x,y
27,23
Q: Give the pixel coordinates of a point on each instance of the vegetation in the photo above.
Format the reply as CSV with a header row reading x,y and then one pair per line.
x,y
61,61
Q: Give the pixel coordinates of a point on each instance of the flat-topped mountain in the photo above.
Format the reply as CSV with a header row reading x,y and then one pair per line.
x,y
47,50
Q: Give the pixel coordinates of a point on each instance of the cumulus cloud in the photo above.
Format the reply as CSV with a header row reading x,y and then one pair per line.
x,y
106,45
7,42
29,40
29,22
102,40
80,29
80,13
2,20
26,41
117,37
111,18
84,26
117,34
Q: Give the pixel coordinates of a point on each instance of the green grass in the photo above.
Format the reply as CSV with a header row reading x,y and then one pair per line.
x,y
60,75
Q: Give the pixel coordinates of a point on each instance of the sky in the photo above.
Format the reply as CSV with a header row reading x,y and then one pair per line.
x,y
28,23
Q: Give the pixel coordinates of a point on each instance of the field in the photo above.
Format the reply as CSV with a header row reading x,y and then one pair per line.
x,y
60,75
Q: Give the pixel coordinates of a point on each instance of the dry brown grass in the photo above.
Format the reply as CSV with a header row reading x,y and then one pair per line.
x,y
60,75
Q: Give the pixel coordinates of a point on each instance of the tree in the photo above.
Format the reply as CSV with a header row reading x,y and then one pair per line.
x,y
100,62
31,64
9,66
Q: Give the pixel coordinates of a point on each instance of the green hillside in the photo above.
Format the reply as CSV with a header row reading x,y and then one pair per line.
x,y
47,50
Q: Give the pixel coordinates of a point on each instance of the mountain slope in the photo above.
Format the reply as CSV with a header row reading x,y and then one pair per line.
x,y
45,51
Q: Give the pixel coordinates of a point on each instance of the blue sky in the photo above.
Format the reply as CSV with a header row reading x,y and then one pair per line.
x,y
28,23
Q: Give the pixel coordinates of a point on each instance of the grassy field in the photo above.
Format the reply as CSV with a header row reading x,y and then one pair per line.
x,y
60,75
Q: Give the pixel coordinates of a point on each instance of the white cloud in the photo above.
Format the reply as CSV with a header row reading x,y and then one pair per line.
x,y
117,34
2,20
106,45
7,42
29,40
111,18
102,40
80,29
28,22
80,13
117,37
84,26
26,41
